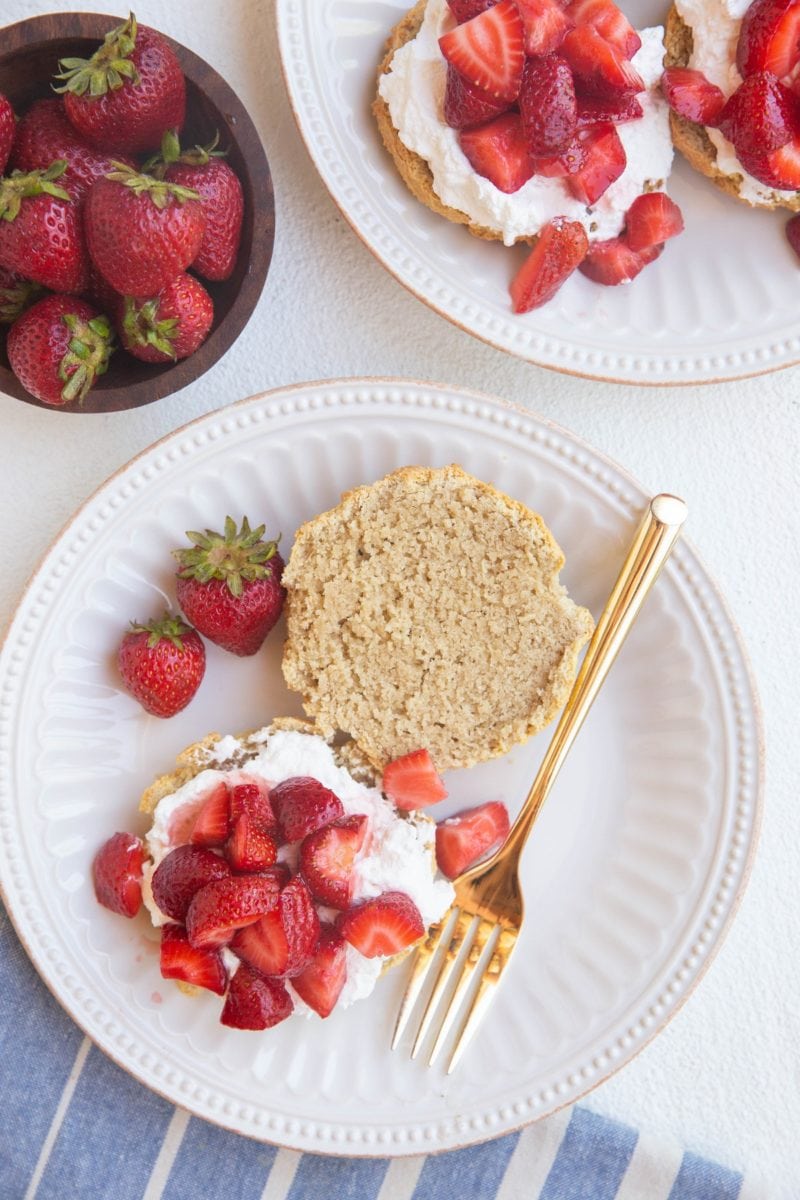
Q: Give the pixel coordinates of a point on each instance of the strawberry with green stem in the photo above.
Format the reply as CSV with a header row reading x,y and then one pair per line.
x,y
170,325
162,664
58,348
41,235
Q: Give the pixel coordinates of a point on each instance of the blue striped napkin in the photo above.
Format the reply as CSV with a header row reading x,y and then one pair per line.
x,y
73,1126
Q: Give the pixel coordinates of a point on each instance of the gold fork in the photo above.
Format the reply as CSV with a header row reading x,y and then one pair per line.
x,y
474,941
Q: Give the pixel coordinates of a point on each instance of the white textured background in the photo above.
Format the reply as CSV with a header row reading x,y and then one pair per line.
x,y
724,1077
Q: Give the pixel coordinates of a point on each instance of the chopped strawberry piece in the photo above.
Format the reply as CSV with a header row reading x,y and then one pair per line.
x,y
545,23
327,859
413,782
599,67
213,821
489,50
464,839
612,261
651,220
600,110
690,95
761,115
778,169
250,848
264,945
253,799
499,152
548,105
465,10
566,163
383,926
321,982
466,105
793,233
225,905
181,960
559,249
609,22
181,874
117,871
605,161
284,940
769,38
302,805
254,1002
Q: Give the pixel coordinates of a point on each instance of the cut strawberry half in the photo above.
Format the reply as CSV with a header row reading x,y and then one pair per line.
x,y
769,38
599,67
225,905
778,169
254,1002
605,161
464,839
213,821
547,105
413,781
691,95
321,982
761,115
117,873
250,848
181,874
253,799
489,50
466,105
793,233
545,23
613,262
327,860
600,110
559,249
285,940
465,10
499,152
383,926
610,23
651,220
181,960
301,805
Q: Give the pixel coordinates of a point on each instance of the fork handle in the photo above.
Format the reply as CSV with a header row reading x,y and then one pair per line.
x,y
657,534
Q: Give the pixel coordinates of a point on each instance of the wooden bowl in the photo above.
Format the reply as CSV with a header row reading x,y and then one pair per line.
x,y
29,54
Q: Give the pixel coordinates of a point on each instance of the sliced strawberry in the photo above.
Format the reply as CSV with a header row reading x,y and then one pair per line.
x,y
566,163
605,161
560,248
778,169
612,261
600,110
499,152
545,23
609,22
761,115
117,871
327,859
225,905
466,105
254,1002
413,782
769,38
253,799
383,926
181,960
489,50
321,982
547,105
599,67
181,874
301,805
284,940
250,848
690,95
651,220
464,839
213,821
264,945
465,10
793,233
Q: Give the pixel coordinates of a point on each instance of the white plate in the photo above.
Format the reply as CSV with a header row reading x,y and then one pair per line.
x,y
630,879
721,302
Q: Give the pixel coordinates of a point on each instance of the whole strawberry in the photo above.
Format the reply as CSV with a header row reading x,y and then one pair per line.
x,y
58,348
229,586
41,234
16,294
168,326
204,170
8,126
142,231
162,664
130,90
44,135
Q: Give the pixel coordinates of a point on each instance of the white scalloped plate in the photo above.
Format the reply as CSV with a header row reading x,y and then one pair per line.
x,y
721,302
635,866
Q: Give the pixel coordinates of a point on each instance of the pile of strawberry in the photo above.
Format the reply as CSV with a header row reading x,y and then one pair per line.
x,y
224,886
109,235
538,87
762,117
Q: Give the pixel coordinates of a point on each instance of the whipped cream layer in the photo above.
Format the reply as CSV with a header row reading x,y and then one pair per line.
x,y
398,852
414,91
715,26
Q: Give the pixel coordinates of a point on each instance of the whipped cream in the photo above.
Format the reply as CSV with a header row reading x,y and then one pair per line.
x,y
414,91
398,852
715,26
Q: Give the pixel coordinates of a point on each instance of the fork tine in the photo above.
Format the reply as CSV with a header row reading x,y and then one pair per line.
x,y
460,930
483,934
423,961
500,956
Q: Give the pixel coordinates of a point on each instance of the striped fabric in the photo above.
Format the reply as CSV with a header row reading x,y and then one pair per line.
x,y
75,1126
